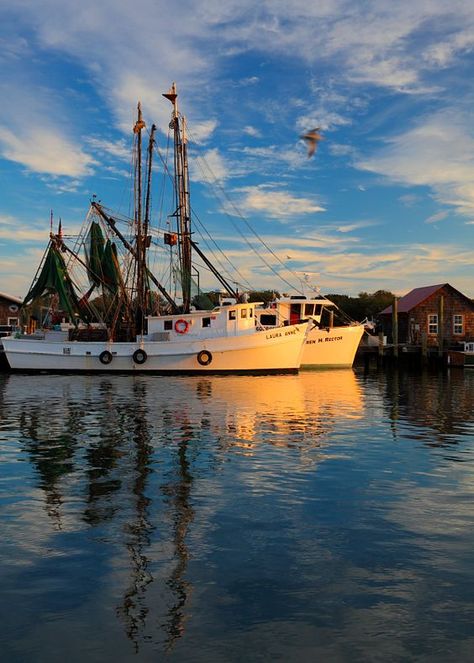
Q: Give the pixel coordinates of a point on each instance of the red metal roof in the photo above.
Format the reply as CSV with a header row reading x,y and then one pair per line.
x,y
414,297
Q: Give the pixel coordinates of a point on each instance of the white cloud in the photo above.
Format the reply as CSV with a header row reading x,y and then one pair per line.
x,y
280,204
45,151
209,167
202,131
119,148
252,131
438,153
349,227
439,216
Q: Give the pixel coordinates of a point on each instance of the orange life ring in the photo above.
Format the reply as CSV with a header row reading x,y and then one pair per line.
x,y
181,326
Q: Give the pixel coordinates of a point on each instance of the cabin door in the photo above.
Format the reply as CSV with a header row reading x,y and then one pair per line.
x,y
295,314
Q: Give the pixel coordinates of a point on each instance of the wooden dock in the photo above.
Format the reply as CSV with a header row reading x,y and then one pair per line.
x,y
412,355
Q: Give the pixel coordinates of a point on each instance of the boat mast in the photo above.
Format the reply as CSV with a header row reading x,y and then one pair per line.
x,y
183,207
140,239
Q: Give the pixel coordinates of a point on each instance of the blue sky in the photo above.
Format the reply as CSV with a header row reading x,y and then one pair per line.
x,y
387,201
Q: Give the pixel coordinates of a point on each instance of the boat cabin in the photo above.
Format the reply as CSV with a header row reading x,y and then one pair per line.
x,y
293,310
228,319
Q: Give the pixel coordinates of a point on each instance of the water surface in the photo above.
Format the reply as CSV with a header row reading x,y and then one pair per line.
x,y
323,516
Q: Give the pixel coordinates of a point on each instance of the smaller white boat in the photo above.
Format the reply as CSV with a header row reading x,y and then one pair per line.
x,y
327,345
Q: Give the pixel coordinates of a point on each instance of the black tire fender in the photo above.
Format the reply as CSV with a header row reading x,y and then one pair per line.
x,y
105,357
204,358
140,356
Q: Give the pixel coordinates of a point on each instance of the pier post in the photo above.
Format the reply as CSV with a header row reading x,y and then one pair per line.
x,y
395,327
380,348
440,325
424,347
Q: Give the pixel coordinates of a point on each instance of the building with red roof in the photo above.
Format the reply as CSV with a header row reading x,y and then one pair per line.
x,y
439,311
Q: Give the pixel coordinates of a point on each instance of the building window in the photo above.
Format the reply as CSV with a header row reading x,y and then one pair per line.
x,y
232,315
433,323
458,324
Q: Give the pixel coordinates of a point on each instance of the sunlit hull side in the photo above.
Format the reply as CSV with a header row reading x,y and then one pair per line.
x,y
335,347
269,351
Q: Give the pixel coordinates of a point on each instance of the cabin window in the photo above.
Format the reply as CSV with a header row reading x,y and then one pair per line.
x,y
243,313
13,322
308,309
232,315
250,312
319,308
268,320
206,322
433,323
167,325
458,324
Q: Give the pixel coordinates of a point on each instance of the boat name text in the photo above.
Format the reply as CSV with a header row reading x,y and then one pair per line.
x,y
325,340
278,334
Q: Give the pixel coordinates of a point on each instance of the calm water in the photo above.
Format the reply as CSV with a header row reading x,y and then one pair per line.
x,y
322,517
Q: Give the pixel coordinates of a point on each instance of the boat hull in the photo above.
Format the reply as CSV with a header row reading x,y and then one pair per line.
x,y
331,347
271,351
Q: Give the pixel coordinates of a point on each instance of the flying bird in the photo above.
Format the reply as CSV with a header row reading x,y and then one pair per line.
x,y
312,139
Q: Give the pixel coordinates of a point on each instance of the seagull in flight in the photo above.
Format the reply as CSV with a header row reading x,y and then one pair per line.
x,y
312,139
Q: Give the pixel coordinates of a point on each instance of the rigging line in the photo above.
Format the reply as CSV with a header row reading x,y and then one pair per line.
x,y
259,255
215,184
167,172
235,269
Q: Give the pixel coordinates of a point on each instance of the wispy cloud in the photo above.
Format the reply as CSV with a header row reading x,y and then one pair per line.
x,y
357,225
438,152
271,203
439,216
42,150
210,167
119,148
252,131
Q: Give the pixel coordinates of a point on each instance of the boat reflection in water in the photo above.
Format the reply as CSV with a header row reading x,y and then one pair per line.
x,y
211,518
120,456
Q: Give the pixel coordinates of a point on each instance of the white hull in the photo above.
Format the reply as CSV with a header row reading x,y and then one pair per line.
x,y
275,350
335,347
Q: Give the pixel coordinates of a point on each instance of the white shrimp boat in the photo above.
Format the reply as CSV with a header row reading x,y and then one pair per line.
x,y
327,345
131,338
224,340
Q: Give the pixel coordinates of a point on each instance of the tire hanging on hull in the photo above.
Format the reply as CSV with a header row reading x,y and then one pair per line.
x,y
204,358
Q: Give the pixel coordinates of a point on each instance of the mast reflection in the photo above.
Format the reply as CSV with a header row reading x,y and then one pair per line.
x,y
126,451
138,531
177,491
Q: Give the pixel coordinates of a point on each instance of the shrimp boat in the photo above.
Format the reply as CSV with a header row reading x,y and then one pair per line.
x,y
327,345
133,323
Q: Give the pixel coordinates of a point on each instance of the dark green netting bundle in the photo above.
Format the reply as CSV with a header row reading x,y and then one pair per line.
x,y
110,266
54,279
101,259
94,250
